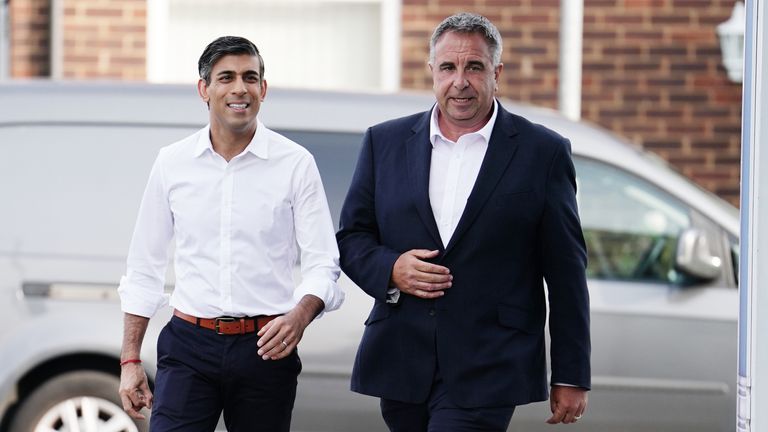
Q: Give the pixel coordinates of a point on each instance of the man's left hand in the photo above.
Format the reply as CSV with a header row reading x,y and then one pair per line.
x,y
280,336
568,404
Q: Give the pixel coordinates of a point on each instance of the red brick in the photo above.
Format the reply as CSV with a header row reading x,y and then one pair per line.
x,y
661,113
666,82
688,66
622,50
641,97
103,12
643,35
697,97
710,144
599,34
687,160
669,50
617,112
642,66
661,144
620,81
624,19
690,3
597,66
728,129
530,19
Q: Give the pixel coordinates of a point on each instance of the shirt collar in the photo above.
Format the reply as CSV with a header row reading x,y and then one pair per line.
x,y
485,131
258,145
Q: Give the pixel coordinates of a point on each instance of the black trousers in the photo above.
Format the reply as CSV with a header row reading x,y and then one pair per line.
x,y
202,374
439,414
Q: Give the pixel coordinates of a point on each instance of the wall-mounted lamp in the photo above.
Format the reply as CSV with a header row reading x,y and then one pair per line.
x,y
731,34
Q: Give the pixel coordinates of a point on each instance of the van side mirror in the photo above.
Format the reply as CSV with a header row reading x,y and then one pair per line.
x,y
693,256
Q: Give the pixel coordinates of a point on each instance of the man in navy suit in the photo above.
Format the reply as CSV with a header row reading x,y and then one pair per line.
x,y
454,219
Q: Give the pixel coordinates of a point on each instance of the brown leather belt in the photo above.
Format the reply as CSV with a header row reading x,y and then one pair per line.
x,y
228,325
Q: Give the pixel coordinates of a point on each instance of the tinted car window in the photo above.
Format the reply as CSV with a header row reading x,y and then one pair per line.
x,y
630,226
336,156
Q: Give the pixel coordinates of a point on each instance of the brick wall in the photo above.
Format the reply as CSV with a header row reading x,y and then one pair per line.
x,y
104,39
652,72
30,38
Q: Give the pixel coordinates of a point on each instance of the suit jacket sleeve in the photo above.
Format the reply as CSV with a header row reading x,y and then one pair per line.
x,y
363,258
564,263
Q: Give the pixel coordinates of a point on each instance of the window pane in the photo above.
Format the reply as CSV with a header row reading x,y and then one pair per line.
x,y
630,226
316,44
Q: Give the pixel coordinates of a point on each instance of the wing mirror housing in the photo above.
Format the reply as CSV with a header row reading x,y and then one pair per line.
x,y
694,257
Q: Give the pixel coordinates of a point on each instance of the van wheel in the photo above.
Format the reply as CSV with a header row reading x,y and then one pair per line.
x,y
76,401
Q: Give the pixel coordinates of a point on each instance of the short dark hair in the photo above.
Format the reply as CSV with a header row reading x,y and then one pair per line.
x,y
466,22
226,45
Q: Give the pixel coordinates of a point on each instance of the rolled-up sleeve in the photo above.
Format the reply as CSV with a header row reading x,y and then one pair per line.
x,y
142,287
315,237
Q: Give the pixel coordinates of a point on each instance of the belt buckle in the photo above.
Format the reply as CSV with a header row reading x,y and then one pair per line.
x,y
219,320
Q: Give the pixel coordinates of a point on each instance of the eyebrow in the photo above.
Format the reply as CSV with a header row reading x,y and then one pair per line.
x,y
231,72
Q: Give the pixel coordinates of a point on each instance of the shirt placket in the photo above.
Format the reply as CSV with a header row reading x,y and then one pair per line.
x,y
225,232
449,212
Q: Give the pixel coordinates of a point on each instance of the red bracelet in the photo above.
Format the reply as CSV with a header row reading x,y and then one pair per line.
x,y
125,362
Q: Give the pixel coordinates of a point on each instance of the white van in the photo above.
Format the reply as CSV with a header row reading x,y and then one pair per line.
x,y
74,159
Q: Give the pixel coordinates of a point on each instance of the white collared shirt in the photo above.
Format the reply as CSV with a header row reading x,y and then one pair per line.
x,y
453,171
237,226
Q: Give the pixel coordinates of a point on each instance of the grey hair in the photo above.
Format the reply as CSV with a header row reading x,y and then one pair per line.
x,y
223,46
466,22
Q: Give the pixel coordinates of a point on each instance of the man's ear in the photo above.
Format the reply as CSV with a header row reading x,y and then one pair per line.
x,y
202,90
497,72
263,92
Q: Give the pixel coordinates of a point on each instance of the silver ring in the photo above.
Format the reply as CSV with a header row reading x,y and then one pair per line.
x,y
578,417
285,345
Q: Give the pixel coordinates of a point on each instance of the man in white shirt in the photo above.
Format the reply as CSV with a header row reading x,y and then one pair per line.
x,y
453,220
238,198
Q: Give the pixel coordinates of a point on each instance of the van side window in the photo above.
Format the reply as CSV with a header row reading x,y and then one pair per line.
x,y
336,156
630,226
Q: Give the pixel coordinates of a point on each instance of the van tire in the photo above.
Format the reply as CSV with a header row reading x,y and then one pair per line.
x,y
100,388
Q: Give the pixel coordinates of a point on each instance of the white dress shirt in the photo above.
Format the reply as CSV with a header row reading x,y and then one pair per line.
x,y
453,171
454,167
237,227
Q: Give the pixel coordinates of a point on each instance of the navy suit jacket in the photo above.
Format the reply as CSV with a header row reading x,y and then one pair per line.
x,y
520,226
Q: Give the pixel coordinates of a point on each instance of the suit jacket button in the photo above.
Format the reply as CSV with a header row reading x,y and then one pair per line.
x,y
431,312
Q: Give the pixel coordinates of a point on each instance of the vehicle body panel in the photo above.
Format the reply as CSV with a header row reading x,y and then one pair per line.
x,y
75,158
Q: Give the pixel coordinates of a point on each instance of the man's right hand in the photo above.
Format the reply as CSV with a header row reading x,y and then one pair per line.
x,y
134,389
412,275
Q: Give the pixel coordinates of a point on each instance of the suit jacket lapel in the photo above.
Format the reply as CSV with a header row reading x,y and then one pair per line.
x,y
501,148
419,156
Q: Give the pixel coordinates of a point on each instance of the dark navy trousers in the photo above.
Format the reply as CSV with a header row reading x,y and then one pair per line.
x,y
202,374
439,414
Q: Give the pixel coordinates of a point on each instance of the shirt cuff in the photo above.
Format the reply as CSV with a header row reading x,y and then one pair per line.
x,y
139,300
393,295
327,291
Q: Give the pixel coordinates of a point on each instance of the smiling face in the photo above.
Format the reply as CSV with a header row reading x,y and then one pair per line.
x,y
464,81
234,94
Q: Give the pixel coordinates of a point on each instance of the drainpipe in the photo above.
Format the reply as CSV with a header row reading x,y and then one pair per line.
x,y
57,39
752,384
569,74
